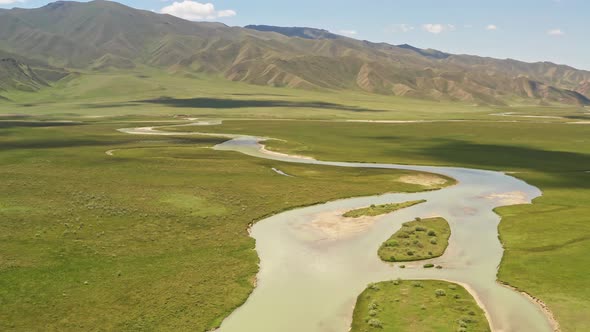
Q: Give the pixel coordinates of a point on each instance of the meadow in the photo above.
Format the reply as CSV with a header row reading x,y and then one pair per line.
x,y
417,240
157,232
146,238
427,305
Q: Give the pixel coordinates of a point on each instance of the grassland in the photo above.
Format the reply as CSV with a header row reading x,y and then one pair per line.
x,y
417,306
377,210
417,240
152,238
158,261
142,92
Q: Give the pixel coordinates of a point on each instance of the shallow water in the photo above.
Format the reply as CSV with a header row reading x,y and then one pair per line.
x,y
308,282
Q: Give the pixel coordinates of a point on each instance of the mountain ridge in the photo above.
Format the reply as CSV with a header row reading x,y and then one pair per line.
x,y
105,35
301,32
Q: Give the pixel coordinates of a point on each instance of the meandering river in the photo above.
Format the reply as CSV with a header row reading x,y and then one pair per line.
x,y
309,281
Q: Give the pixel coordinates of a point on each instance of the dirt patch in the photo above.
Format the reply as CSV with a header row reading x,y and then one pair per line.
x,y
333,226
509,198
264,150
427,180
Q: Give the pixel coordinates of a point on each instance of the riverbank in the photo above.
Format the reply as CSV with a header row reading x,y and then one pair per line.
x,y
546,236
248,316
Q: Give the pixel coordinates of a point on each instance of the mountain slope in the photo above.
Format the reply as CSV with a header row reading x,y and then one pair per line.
x,y
105,35
21,73
301,32
427,53
16,75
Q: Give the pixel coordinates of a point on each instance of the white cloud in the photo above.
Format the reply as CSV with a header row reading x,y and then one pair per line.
x,y
402,27
348,32
192,10
438,28
8,2
555,32
492,27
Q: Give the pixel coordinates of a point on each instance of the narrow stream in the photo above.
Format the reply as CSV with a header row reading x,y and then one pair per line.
x,y
309,282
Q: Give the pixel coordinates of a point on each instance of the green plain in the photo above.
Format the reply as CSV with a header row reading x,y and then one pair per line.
x,y
152,238
72,214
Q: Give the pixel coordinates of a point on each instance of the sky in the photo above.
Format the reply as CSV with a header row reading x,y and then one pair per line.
x,y
528,30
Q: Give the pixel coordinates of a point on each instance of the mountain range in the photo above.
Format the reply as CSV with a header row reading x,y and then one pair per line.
x,y
40,46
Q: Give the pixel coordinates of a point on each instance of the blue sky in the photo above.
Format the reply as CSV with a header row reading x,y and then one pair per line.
x,y
529,30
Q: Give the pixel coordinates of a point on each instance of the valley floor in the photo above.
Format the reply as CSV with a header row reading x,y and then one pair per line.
x,y
147,236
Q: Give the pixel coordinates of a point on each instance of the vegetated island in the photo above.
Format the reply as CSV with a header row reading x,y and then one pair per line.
x,y
426,305
411,305
417,240
376,210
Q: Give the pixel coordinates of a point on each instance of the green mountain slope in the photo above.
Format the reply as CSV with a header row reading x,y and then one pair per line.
x,y
19,76
105,35
23,74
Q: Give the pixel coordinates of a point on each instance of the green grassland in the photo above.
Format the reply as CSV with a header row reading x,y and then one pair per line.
x,y
152,238
417,306
417,240
376,210
147,91
550,235
174,215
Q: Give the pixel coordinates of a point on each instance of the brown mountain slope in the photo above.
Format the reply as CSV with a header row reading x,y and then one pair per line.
x,y
546,72
584,88
105,35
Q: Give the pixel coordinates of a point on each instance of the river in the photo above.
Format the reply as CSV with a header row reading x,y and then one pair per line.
x,y
309,281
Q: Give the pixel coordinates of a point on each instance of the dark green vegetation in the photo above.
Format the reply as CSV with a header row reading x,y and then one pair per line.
x,y
399,306
417,240
376,210
102,36
551,236
152,238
